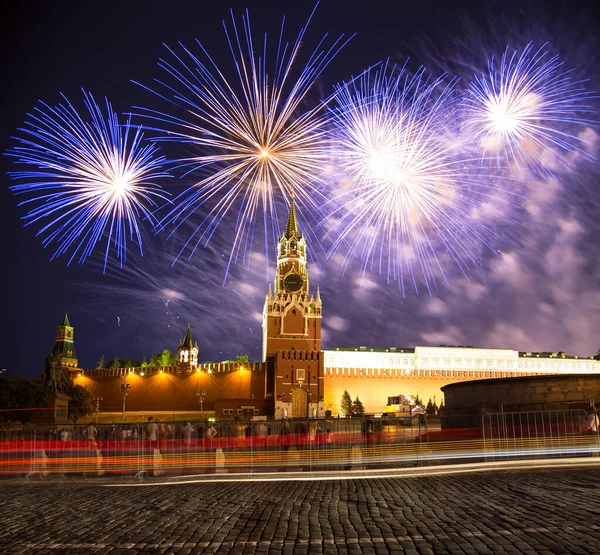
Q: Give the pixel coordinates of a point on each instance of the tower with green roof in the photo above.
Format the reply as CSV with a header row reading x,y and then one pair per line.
x,y
64,347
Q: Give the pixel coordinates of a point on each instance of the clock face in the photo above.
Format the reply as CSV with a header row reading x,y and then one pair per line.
x,y
293,282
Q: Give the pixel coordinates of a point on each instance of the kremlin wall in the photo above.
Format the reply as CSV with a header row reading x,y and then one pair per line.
x,y
296,378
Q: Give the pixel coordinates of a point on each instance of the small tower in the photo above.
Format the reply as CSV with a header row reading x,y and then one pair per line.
x,y
64,348
187,353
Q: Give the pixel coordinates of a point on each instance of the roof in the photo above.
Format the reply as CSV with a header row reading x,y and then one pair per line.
x,y
188,340
549,354
291,228
66,321
363,349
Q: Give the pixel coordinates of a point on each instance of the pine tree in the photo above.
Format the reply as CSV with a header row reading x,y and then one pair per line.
x,y
358,408
100,363
441,407
436,409
418,401
346,405
429,407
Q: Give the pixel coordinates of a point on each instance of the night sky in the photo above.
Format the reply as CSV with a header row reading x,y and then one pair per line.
x,y
542,294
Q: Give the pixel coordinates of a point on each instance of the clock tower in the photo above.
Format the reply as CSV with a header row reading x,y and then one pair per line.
x,y
292,330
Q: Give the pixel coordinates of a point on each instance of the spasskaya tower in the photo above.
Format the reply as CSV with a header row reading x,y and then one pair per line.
x,y
292,328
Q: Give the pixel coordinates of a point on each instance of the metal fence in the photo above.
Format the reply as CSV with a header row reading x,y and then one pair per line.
x,y
540,434
288,445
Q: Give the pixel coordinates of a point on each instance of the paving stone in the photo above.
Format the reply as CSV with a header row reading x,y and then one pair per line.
x,y
518,511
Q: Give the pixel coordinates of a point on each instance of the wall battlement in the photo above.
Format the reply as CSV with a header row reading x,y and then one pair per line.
x,y
211,368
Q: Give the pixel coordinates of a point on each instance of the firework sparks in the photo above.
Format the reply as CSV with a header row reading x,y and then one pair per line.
x,y
527,109
256,140
404,194
93,180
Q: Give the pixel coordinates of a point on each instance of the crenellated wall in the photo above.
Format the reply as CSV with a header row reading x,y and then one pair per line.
x,y
174,388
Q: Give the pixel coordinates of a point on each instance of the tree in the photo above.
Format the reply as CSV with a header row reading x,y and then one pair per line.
x,y
429,408
144,362
346,405
166,358
441,407
82,402
241,359
129,363
115,363
17,397
100,363
418,401
358,408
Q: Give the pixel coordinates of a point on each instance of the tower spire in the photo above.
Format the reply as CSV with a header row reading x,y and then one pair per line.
x,y
292,223
66,320
188,340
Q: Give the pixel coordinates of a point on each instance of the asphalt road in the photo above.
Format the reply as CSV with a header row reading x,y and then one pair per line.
x,y
515,511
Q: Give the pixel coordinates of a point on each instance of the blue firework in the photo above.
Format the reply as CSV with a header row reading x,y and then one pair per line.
x,y
405,193
528,109
87,182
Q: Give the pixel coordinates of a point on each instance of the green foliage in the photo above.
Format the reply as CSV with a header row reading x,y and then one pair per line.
x,y
17,395
129,363
124,363
241,359
166,358
82,402
358,408
346,405
429,408
100,363
144,363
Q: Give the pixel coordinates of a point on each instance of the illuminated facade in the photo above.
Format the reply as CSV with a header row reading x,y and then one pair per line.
x,y
296,379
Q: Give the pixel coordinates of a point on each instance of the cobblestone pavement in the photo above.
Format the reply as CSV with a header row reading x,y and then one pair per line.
x,y
517,511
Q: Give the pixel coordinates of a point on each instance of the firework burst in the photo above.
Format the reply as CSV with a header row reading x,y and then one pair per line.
x,y
405,191
527,109
93,180
253,139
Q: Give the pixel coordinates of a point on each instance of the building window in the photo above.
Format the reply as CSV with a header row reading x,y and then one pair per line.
x,y
491,363
424,362
300,374
435,362
446,362
468,363
510,364
457,363
479,363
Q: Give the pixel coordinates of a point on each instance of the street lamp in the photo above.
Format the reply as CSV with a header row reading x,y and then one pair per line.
x,y
124,388
201,394
98,399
